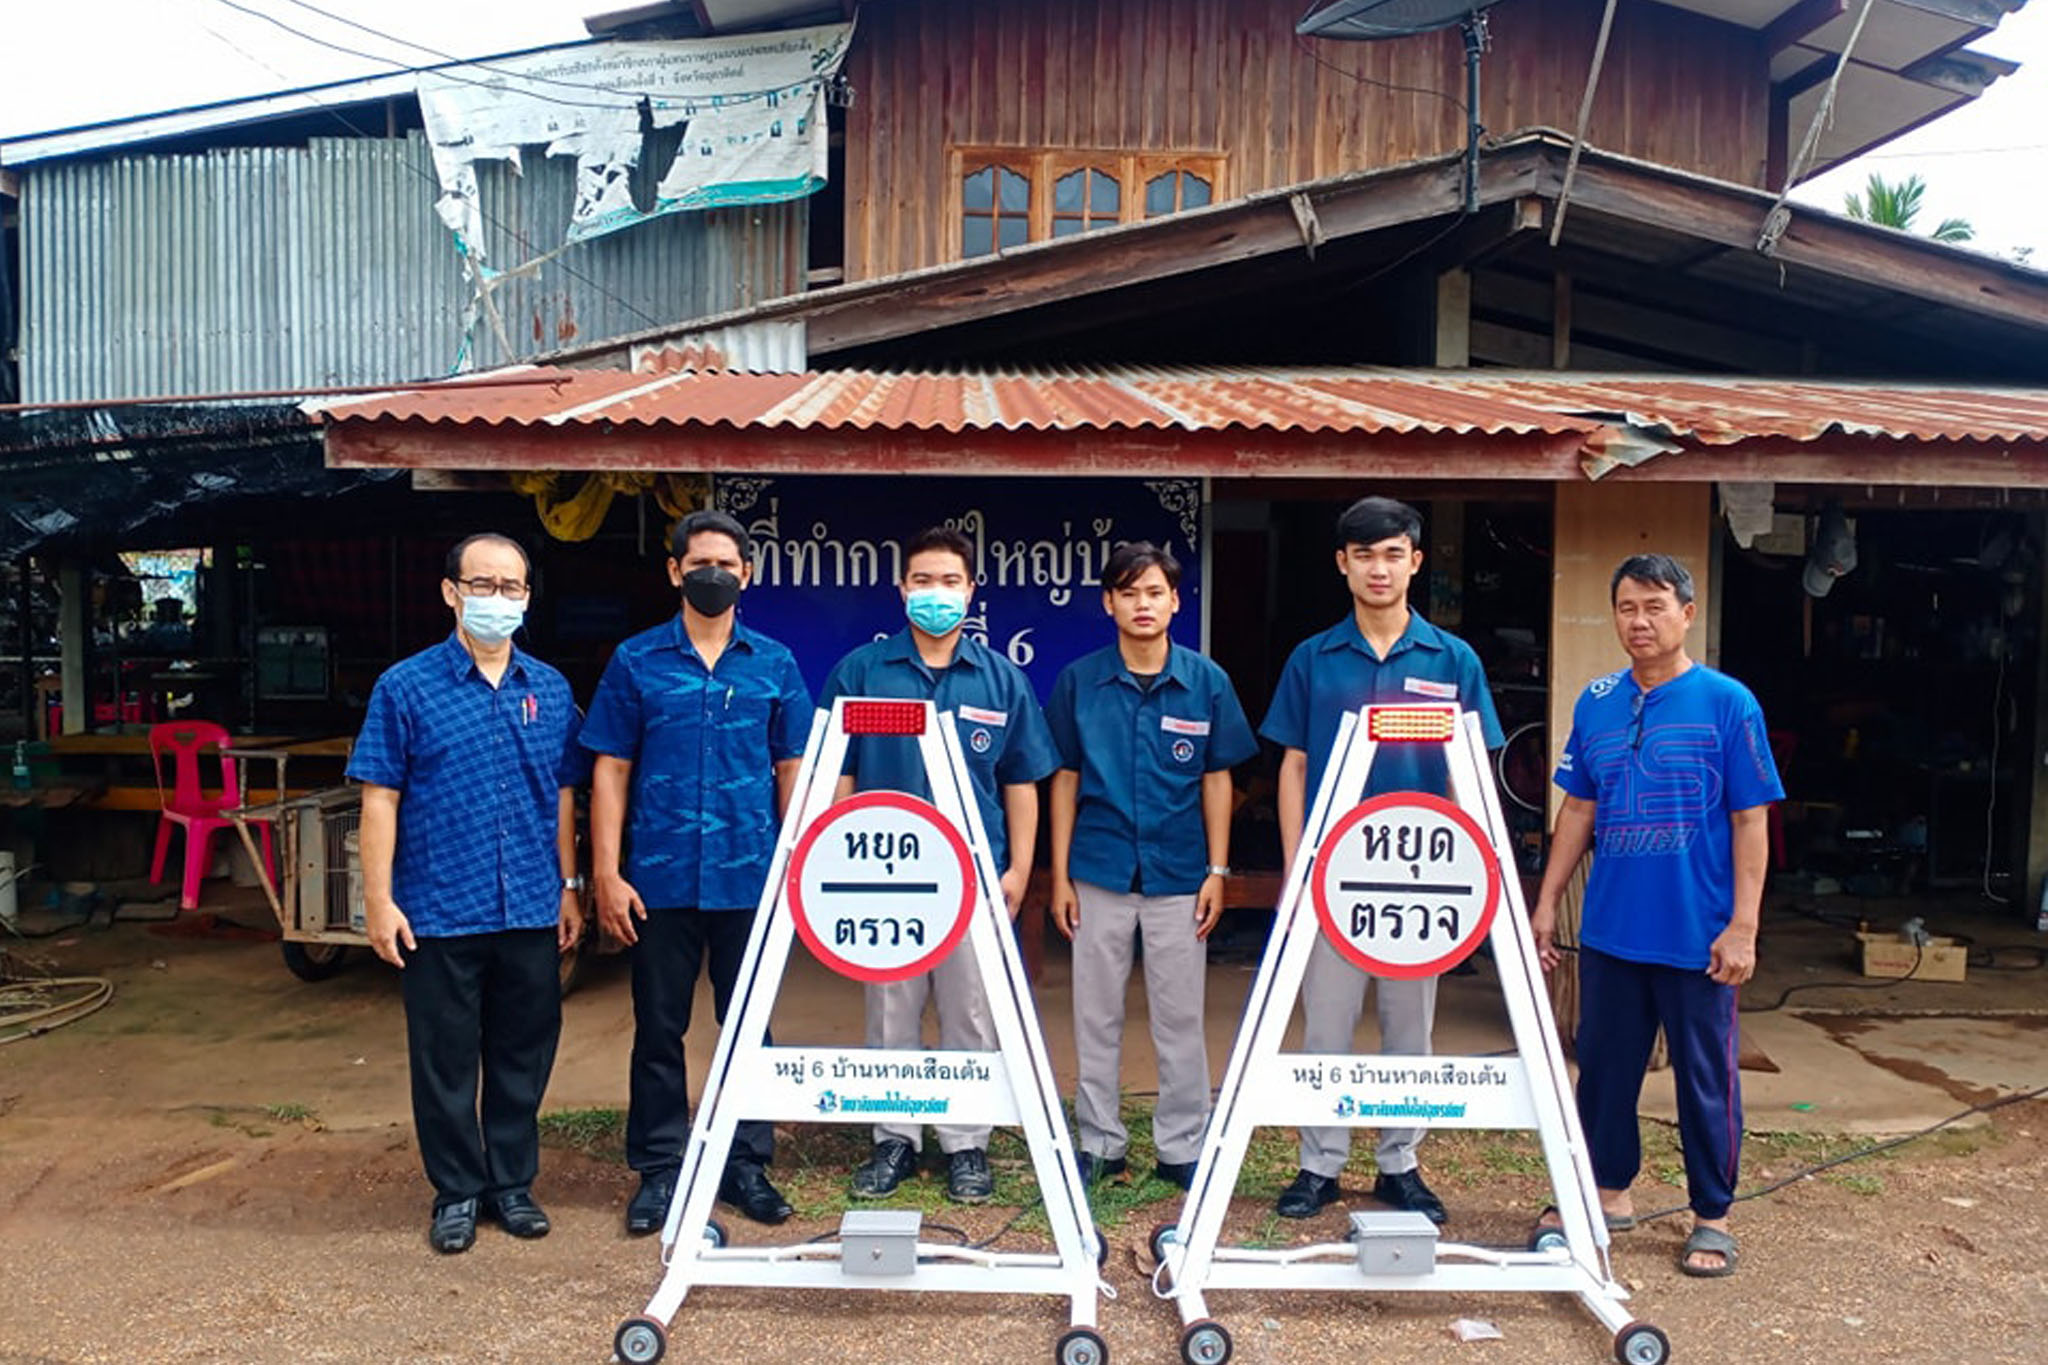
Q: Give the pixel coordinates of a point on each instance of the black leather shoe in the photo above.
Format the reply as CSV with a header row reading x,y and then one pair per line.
x,y
893,1162
1181,1173
648,1208
1096,1168
968,1180
1406,1191
454,1227
518,1214
746,1188
1307,1196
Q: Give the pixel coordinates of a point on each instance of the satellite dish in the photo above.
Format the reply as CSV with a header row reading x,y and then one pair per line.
x,y
1363,20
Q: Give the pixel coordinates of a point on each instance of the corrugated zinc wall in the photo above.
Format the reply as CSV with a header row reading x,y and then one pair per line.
x,y
286,267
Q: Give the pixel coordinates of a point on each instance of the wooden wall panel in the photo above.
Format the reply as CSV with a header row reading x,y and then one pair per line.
x,y
1229,77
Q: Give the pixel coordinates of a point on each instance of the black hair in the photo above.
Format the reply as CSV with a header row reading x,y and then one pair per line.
x,y
1372,520
452,569
939,538
1128,562
706,519
1656,571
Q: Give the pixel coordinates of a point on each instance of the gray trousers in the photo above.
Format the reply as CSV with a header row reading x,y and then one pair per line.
x,y
1175,964
896,1020
1332,997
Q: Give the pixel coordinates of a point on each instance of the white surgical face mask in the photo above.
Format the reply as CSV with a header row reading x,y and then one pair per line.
x,y
491,620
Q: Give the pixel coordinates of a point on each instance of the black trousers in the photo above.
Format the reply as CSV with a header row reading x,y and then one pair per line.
x,y
672,949
489,1007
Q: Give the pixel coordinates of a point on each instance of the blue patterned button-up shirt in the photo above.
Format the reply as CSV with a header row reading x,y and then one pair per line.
x,y
701,817
478,770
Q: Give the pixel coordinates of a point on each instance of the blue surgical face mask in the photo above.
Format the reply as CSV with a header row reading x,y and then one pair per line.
x,y
491,620
936,611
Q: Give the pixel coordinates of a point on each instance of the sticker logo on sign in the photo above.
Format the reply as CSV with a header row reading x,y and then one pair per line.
x,y
1406,885
881,887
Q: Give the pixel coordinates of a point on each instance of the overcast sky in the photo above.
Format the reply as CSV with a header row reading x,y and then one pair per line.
x,y
66,62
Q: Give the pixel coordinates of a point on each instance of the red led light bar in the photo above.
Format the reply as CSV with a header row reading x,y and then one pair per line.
x,y
883,717
1411,724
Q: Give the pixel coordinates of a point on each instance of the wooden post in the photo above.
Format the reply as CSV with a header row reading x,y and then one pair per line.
x,y
1453,320
2032,857
74,641
1561,320
1597,525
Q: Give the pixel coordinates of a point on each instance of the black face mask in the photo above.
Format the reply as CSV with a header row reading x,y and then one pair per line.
x,y
711,590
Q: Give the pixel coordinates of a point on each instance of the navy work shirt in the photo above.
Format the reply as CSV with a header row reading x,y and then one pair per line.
x,y
1141,753
479,771
1337,672
701,817
1002,731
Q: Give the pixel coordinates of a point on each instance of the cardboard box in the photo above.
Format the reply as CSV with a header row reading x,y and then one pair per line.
x,y
1941,959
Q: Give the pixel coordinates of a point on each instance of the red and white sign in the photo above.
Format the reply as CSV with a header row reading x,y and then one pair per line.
x,y
1406,885
881,887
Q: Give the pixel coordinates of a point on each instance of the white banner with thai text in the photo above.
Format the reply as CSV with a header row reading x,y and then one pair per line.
x,y
1336,1090
872,1085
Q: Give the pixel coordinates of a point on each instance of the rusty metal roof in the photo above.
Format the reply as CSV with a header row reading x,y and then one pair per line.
x,y
1705,411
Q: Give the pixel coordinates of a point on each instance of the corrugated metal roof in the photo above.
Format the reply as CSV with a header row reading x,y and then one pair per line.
x,y
1602,408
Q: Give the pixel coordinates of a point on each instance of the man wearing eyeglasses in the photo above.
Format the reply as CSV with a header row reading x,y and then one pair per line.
x,y
468,762
1668,779
699,727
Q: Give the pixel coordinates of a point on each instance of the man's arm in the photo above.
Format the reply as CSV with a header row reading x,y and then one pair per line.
x,y
1065,800
570,927
1731,960
785,784
1020,814
1292,796
1568,845
618,904
377,840
1216,799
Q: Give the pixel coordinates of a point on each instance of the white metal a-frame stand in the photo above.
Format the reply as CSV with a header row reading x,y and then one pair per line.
x,y
903,883
1531,1090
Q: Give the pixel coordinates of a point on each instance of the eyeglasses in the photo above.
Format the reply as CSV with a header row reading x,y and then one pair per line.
x,y
508,589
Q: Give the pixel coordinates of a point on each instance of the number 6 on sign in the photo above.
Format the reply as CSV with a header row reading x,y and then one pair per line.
x,y
1406,885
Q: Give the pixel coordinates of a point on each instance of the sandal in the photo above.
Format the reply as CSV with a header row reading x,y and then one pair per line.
x,y
1616,1222
1712,1242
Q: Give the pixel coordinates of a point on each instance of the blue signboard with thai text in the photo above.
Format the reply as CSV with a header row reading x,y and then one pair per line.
x,y
828,554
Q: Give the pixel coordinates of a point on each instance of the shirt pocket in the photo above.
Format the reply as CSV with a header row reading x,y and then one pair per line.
x,y
1181,742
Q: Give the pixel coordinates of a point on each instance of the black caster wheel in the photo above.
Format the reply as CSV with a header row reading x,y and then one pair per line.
x,y
1641,1344
640,1341
715,1234
1163,1236
1205,1342
1548,1239
314,961
1081,1346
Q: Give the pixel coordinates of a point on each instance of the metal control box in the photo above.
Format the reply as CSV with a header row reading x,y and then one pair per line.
x,y
879,1242
1393,1243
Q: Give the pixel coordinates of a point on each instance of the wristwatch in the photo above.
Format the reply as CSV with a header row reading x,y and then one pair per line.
x,y
1216,870
575,883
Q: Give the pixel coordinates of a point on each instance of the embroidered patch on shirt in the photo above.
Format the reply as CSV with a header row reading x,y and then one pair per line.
x,y
1443,690
981,717
1174,725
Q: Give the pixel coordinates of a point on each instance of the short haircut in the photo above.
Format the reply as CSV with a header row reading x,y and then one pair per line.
x,y
452,570
1128,562
718,523
1372,520
939,538
1656,571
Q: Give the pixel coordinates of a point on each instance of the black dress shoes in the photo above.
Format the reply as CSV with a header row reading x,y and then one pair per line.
x,y
1181,1173
892,1162
1307,1196
1099,1168
746,1188
518,1214
648,1208
1406,1191
968,1179
454,1227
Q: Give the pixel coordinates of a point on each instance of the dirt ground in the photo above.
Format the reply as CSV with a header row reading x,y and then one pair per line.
x,y
219,1167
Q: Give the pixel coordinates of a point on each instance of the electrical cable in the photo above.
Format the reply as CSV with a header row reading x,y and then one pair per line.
x,y
1398,89
1991,801
26,1010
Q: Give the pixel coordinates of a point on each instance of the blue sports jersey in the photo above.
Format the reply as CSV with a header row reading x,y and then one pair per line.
x,y
1665,769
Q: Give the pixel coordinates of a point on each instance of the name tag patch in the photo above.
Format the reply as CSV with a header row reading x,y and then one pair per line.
x,y
1442,691
1173,725
981,717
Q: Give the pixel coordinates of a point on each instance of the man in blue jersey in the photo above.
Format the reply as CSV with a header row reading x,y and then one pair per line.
x,y
1147,734
699,727
1381,652
1668,779
1004,740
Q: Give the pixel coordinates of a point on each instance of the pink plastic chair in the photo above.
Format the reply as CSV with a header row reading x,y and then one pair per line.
x,y
187,803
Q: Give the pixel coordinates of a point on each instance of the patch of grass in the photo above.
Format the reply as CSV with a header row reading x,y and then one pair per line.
x,y
1512,1154
1858,1182
597,1133
290,1113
